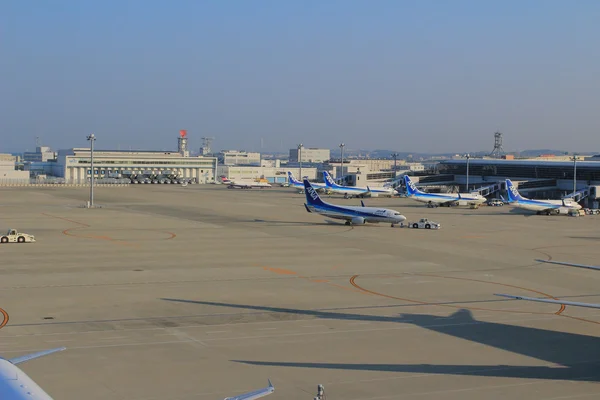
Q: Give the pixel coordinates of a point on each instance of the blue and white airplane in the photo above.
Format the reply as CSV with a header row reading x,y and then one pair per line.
x,y
352,215
296,184
540,206
357,191
440,199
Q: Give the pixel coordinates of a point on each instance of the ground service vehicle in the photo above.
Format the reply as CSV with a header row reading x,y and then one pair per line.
x,y
12,236
424,223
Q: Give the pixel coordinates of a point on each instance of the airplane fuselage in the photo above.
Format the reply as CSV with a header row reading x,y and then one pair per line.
x,y
358,191
435,198
556,206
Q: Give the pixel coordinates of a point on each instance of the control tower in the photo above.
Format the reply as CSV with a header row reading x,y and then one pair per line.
x,y
182,143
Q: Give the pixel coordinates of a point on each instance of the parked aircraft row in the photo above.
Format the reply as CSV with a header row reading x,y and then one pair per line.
x,y
348,191
431,199
17,385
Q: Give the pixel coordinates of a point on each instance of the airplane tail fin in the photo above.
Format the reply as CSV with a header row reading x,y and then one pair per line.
x,y
293,179
312,197
410,186
329,182
28,357
512,192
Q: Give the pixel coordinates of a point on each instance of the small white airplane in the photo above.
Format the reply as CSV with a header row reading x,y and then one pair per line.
x,y
557,301
16,384
296,184
440,199
246,184
357,191
540,206
352,215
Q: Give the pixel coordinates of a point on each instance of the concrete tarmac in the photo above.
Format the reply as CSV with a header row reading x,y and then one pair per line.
x,y
200,292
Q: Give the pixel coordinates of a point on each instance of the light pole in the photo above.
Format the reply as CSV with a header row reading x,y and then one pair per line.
x,y
468,156
342,161
300,160
395,155
574,173
91,138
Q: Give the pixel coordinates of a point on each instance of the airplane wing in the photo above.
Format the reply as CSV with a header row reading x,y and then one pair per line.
x,y
448,202
257,394
551,301
28,357
569,264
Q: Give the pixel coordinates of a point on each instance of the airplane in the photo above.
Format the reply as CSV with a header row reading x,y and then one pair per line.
x,y
17,385
557,301
352,215
440,199
540,206
246,184
357,191
296,184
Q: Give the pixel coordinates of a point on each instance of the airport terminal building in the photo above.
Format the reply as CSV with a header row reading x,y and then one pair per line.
x,y
74,165
538,178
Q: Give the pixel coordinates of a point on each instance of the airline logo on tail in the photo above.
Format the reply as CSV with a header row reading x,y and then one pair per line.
x,y
292,178
513,193
312,193
410,185
328,179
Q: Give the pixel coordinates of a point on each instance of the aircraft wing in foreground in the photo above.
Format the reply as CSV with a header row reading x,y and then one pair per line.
x,y
16,384
257,394
557,301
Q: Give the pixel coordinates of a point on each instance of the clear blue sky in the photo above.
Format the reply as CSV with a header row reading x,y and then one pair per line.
x,y
418,75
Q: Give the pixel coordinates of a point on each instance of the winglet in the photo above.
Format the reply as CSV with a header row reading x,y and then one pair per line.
x,y
362,203
28,357
270,384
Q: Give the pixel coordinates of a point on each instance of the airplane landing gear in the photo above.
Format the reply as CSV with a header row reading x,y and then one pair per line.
x,y
348,223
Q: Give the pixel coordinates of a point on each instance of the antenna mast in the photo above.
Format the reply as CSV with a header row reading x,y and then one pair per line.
x,y
498,150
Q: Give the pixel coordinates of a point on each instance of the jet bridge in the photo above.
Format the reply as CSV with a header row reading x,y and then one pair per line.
x,y
490,189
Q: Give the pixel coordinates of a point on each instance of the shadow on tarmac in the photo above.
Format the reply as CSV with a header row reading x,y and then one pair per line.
x,y
575,356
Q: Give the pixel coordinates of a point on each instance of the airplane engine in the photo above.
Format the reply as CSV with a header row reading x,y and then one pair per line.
x,y
358,220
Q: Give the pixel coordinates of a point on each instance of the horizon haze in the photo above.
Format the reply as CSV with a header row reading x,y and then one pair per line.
x,y
423,77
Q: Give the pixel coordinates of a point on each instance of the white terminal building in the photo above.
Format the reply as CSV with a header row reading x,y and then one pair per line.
x,y
75,164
